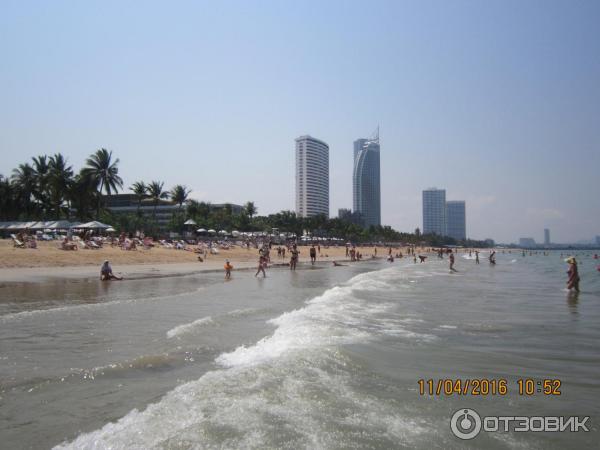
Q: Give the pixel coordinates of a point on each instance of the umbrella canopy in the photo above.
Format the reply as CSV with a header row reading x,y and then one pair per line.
x,y
201,230
94,225
61,225
189,222
110,230
222,232
212,231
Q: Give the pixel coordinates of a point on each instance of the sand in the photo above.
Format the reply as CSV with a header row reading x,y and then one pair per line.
x,y
49,261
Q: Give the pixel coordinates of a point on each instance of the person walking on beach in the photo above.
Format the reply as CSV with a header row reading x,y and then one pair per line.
x,y
106,272
294,259
492,257
573,273
228,268
313,255
262,263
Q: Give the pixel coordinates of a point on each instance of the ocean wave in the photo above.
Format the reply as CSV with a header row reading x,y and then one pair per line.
x,y
189,327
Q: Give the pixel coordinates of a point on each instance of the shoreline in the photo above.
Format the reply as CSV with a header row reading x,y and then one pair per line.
x,y
137,271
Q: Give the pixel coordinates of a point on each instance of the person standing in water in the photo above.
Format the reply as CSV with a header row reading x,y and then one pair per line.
x,y
492,257
451,259
228,268
262,263
476,257
573,273
313,255
294,259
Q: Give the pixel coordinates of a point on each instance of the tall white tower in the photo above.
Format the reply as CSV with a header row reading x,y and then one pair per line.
x,y
312,177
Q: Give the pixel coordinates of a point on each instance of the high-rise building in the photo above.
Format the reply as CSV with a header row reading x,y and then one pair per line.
x,y
366,182
312,177
434,211
456,219
527,242
546,236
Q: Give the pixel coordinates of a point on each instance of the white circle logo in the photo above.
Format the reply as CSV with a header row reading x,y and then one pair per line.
x,y
465,423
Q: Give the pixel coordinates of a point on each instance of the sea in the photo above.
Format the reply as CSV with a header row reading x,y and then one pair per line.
x,y
370,355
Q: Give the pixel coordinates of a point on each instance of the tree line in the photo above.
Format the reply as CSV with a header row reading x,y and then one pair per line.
x,y
48,188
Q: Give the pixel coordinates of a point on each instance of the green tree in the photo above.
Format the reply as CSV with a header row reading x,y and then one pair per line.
x,y
140,190
250,209
156,193
104,172
41,193
60,177
24,181
179,194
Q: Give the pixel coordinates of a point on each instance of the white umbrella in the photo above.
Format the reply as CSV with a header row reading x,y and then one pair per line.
x,y
110,230
201,230
212,231
222,232
189,222
93,225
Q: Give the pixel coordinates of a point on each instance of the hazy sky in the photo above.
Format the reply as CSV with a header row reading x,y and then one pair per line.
x,y
497,102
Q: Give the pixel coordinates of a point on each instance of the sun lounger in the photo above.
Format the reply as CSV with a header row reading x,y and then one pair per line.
x,y
18,244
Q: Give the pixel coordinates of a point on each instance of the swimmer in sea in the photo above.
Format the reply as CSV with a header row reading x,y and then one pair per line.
x,y
422,258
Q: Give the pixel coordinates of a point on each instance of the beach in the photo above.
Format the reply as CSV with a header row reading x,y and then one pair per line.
x,y
48,261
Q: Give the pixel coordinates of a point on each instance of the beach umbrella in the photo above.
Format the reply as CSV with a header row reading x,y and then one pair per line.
x,y
235,233
222,232
110,230
211,231
189,222
201,230
93,225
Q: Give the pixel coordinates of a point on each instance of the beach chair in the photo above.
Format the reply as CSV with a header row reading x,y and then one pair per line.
x,y
17,243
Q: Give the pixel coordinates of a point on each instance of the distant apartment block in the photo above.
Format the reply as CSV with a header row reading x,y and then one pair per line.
x,y
456,219
366,181
434,211
312,177
527,242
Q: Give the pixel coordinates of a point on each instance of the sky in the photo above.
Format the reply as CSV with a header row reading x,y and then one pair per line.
x,y
498,102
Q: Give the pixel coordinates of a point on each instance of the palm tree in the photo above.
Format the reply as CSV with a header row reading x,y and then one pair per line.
x,y
42,189
60,177
156,193
24,182
8,200
140,190
179,194
104,172
250,209
83,196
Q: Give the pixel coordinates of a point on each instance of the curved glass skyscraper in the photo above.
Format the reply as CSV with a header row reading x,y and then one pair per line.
x,y
366,189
